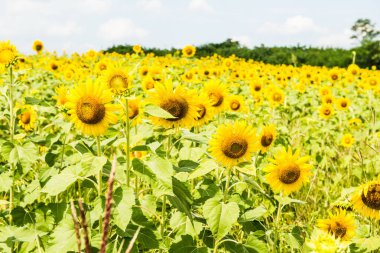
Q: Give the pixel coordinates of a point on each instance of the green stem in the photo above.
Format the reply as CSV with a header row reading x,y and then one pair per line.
x,y
353,57
127,130
163,223
100,183
227,185
11,132
277,238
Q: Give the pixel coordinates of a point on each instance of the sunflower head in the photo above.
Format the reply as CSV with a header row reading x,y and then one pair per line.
x,y
27,118
90,108
117,80
366,199
266,138
38,46
236,103
326,111
233,143
205,110
343,103
179,102
8,53
137,49
341,225
188,51
288,172
347,140
276,96
217,94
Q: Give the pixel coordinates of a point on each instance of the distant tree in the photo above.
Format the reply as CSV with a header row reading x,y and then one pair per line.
x,y
364,31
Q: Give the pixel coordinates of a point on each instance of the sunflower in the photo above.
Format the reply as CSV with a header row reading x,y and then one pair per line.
x,y
54,65
8,52
341,225
353,69
38,46
343,103
355,123
326,111
266,138
217,93
366,199
90,108
27,118
188,51
334,75
137,49
347,140
236,103
256,87
148,83
144,71
117,80
179,102
328,99
233,143
205,110
276,97
288,171
325,91
61,96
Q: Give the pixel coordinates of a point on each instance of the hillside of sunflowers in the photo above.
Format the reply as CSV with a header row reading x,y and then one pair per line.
x,y
108,152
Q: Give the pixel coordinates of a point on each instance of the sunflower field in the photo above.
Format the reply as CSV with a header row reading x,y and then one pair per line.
x,y
104,152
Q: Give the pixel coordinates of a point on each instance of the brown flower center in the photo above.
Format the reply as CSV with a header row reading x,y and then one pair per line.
x,y
234,105
327,111
25,117
133,112
372,198
235,148
277,97
201,112
334,77
90,111
339,231
266,140
176,107
38,47
290,174
216,99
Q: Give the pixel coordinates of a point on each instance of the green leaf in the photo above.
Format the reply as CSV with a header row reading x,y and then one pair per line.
x,y
182,199
6,181
285,200
157,111
253,214
32,192
141,168
63,237
370,244
255,244
59,183
124,201
220,216
204,168
162,169
187,244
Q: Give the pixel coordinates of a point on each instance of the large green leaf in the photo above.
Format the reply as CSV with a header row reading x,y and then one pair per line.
x,y
187,244
162,168
204,168
124,201
59,183
220,216
157,111
5,181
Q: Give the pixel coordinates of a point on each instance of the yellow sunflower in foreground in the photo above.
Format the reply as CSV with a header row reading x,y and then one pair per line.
x,y
188,51
117,79
366,199
38,46
347,140
8,52
233,144
179,102
266,138
90,108
27,118
341,225
288,171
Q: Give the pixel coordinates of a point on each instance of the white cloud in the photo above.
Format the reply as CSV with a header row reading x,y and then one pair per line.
x,y
150,5
66,29
200,5
97,6
293,25
243,40
336,39
118,30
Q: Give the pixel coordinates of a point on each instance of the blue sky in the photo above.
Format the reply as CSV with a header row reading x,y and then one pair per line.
x,y
80,25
